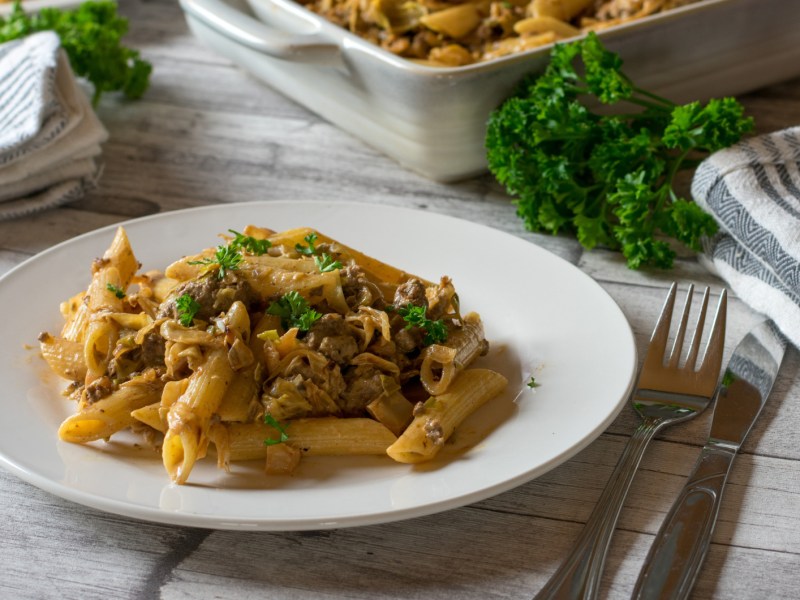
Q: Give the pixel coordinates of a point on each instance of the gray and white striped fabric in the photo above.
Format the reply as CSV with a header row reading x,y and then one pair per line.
x,y
753,191
30,113
49,134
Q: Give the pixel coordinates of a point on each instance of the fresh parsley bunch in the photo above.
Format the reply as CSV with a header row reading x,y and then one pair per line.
x,y
91,36
607,178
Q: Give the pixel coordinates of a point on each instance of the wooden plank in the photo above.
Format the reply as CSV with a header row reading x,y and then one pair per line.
x,y
53,548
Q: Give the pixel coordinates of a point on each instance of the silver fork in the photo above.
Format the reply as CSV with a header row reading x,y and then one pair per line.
x,y
666,393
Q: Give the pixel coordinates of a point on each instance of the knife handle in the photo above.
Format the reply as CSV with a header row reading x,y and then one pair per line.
x,y
681,544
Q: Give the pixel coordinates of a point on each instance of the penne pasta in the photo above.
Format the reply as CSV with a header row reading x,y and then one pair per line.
x,y
63,356
121,258
76,320
150,416
437,419
190,417
271,346
462,32
442,362
111,414
101,335
313,437
240,402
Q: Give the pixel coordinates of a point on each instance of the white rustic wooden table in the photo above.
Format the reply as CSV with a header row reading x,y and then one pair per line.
x,y
207,133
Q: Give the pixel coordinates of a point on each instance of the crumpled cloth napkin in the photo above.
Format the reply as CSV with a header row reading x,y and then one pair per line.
x,y
49,134
753,191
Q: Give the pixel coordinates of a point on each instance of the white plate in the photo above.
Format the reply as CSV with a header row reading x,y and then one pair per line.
x,y
542,315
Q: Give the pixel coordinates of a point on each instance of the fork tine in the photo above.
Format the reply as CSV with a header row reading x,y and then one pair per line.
x,y
691,359
658,341
712,359
677,346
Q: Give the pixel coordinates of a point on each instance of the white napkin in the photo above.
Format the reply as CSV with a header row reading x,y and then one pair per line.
x,y
49,134
753,191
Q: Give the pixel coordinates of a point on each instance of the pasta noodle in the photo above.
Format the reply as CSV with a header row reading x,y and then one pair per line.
x,y
454,33
435,421
271,346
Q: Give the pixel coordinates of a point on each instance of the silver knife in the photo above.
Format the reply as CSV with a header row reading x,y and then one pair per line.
x,y
680,547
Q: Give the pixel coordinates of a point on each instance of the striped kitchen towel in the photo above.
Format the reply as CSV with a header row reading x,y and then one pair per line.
x,y
753,191
49,134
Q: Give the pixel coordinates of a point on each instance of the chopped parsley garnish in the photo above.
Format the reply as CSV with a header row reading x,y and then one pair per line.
x,y
116,290
227,257
606,176
532,382
414,316
309,250
294,311
187,309
326,263
248,243
272,422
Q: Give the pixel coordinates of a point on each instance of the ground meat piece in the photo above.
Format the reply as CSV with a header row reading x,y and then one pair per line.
x,y
411,292
383,348
214,295
98,389
327,325
407,340
363,386
153,349
434,432
357,289
339,348
332,336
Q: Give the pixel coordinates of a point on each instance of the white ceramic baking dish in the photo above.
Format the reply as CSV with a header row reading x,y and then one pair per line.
x,y
433,120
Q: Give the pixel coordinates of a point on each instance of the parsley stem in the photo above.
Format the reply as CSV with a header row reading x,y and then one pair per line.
x,y
646,104
667,103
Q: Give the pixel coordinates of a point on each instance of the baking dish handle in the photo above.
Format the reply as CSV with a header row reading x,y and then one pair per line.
x,y
247,31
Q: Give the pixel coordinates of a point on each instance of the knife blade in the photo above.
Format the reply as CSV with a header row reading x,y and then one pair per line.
x,y
681,544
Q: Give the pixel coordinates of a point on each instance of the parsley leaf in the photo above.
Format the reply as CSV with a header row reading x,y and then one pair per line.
x,y
116,290
293,311
227,257
326,263
187,309
272,422
310,239
91,37
248,243
414,316
606,178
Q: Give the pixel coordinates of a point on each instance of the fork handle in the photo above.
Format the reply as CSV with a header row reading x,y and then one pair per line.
x,y
681,544
579,575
